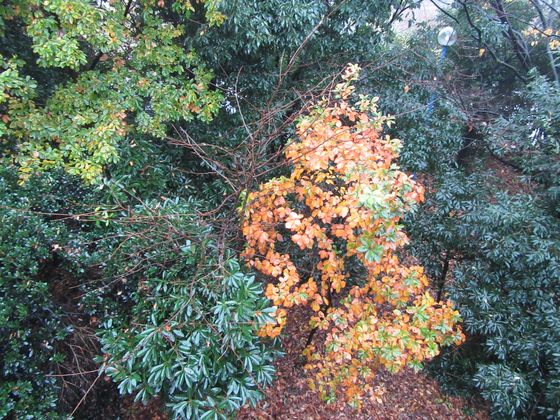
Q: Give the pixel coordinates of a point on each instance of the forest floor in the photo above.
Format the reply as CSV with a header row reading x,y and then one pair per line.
x,y
405,395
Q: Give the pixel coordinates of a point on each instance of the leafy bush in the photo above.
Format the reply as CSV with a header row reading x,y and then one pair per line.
x,y
489,242
190,333
505,289
431,142
120,81
528,138
31,324
341,206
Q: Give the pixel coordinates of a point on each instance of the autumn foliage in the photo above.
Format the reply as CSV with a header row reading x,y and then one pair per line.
x,y
328,237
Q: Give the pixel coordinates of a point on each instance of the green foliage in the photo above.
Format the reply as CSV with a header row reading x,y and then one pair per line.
x,y
502,42
508,296
15,88
93,89
508,391
146,169
129,73
504,250
260,38
508,293
270,56
190,333
31,323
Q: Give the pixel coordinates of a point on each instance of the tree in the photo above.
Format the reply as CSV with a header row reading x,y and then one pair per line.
x,y
270,59
123,73
341,208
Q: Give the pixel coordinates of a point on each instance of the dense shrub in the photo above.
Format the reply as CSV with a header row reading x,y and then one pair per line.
x,y
190,332
109,90
31,322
